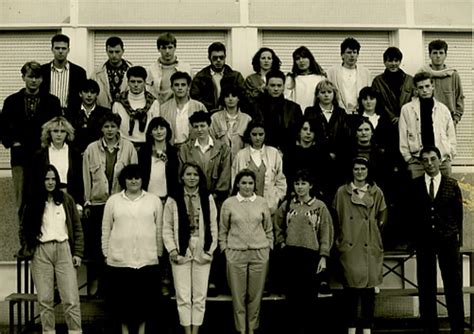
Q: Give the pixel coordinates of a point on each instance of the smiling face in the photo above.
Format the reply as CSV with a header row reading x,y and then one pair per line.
x,y
266,60
246,186
360,173
115,54
133,184
50,181
302,189
110,130
257,137
159,133
431,163
88,98
190,178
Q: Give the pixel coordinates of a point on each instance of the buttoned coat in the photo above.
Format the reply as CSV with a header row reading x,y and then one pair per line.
x,y
358,237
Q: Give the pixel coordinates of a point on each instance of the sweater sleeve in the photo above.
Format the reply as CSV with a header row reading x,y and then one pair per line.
x,y
268,225
213,218
325,232
86,176
159,226
224,225
107,224
78,235
279,223
459,96
169,224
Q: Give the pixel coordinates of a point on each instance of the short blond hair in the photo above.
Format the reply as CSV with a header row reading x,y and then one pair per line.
x,y
52,124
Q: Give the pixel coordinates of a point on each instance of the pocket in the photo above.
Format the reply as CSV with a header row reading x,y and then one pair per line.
x,y
412,140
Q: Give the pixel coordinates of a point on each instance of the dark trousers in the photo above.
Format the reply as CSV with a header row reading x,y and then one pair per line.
x,y
301,286
366,298
449,260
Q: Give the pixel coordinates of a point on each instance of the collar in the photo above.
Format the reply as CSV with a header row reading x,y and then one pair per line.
x,y
214,72
363,189
309,202
241,198
174,63
124,195
327,110
104,143
87,113
195,193
210,144
253,150
436,178
51,147
66,66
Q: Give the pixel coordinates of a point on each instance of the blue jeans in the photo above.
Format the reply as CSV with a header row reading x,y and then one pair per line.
x,y
54,259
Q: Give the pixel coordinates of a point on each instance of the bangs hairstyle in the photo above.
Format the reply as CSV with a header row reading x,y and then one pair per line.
x,y
137,71
90,86
276,62
154,123
180,75
257,123
239,176
314,67
363,94
200,116
357,122
110,117
326,85
361,161
275,74
215,47
350,43
113,41
227,90
299,126
32,66
53,123
438,44
165,39
132,171
392,53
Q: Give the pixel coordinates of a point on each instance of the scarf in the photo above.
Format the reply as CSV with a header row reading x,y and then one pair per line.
x,y
140,114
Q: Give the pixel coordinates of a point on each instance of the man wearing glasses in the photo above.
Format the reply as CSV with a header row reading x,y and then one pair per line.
x,y
206,85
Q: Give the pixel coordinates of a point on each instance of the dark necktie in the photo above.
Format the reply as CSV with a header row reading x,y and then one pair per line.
x,y
432,193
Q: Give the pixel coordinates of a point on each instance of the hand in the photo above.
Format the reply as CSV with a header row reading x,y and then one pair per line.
x,y
332,155
76,261
174,256
86,213
282,245
321,265
395,120
16,144
79,210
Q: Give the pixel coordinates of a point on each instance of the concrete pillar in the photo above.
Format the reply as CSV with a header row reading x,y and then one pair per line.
x,y
79,45
244,44
410,42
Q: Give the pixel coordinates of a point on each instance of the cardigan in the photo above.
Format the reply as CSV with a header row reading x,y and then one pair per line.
x,y
132,230
171,232
104,99
245,225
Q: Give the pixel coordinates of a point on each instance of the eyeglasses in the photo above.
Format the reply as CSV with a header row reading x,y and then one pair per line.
x,y
217,57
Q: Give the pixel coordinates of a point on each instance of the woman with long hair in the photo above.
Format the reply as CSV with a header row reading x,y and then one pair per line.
x,y
361,214
264,60
246,237
305,74
190,237
52,231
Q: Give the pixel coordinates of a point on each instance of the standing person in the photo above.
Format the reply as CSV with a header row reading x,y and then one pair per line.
x,y
361,213
57,150
207,84
266,162
304,233
394,86
446,80
305,74
160,72
349,77
136,107
262,62
61,77
246,237
279,115
110,76
132,245
332,130
229,124
190,237
177,110
426,122
53,231
437,222
86,120
22,117
102,163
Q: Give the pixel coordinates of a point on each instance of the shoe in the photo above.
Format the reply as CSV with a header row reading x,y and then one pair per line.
x,y
324,291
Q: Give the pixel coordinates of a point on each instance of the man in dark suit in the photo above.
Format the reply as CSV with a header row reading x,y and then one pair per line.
x,y
61,77
437,213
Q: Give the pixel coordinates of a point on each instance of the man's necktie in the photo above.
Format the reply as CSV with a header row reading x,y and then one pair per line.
x,y
432,194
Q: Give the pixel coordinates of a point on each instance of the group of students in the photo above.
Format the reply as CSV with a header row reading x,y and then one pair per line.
x,y
154,170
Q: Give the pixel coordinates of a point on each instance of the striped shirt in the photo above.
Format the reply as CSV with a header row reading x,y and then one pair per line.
x,y
60,84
